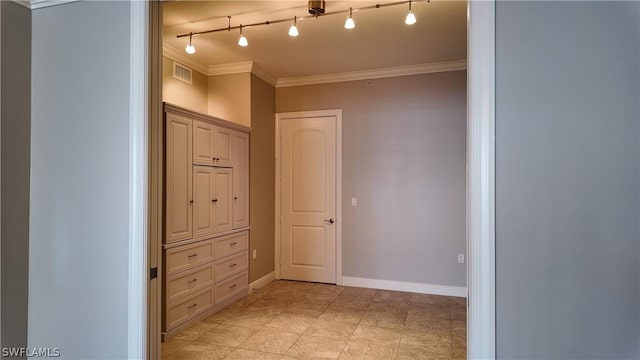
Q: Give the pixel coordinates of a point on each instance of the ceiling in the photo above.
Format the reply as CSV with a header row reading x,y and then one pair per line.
x,y
380,39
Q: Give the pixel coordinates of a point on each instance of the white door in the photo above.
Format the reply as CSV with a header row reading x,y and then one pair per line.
x,y
308,214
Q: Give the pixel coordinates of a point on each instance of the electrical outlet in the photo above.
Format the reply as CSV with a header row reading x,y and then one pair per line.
x,y
255,253
460,258
354,201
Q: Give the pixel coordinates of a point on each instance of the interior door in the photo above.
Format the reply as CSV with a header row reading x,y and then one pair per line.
x,y
308,199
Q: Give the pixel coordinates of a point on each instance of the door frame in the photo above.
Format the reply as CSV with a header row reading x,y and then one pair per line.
x,y
337,113
481,238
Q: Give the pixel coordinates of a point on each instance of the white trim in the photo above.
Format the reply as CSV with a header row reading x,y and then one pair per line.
x,y
226,69
481,180
263,74
138,183
337,113
177,55
459,291
374,74
263,281
39,4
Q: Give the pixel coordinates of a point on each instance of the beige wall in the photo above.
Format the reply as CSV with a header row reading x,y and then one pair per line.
x,y
229,97
404,153
191,96
262,183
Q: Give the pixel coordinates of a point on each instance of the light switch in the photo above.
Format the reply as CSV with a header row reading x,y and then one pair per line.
x,y
460,258
354,201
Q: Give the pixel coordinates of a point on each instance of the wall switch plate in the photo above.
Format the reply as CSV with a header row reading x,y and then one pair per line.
x,y
255,253
460,258
354,201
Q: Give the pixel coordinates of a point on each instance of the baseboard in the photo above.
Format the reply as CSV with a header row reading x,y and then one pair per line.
x,y
262,281
459,291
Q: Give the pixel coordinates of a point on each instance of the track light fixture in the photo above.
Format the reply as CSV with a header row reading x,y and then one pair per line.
x,y
293,30
190,49
243,40
410,19
350,24
316,8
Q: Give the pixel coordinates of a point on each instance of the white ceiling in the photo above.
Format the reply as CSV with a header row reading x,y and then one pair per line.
x,y
380,39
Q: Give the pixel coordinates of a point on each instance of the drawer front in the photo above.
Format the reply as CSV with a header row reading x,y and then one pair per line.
x,y
191,307
189,256
231,244
232,265
232,287
182,285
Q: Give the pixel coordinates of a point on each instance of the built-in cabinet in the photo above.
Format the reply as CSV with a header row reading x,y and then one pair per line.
x,y
206,238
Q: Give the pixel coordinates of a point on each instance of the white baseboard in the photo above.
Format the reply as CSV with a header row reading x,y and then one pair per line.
x,y
262,281
459,291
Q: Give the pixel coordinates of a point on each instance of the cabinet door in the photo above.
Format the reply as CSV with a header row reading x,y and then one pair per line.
x,y
222,204
240,157
203,201
223,147
204,149
178,189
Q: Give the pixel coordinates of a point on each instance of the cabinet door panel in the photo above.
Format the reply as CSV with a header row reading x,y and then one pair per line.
x,y
178,179
222,207
240,148
203,143
223,147
203,196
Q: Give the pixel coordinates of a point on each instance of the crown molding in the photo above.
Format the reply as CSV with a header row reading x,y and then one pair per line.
x,y
233,68
263,74
374,74
39,4
177,55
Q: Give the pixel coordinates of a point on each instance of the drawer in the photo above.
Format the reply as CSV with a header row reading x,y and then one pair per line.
x,y
183,284
231,244
189,256
189,308
232,287
232,265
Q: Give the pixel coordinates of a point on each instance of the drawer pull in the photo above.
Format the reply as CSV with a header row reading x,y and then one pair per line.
x,y
192,256
192,306
233,286
233,243
232,265
192,281
214,200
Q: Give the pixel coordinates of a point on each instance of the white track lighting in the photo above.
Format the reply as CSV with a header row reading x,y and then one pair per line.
x,y
410,19
350,24
243,40
190,49
293,30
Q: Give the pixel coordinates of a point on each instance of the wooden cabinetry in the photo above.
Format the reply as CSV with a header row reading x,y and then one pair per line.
x,y
206,238
240,161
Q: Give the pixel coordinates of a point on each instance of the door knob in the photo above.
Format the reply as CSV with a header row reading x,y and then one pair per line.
x,y
330,221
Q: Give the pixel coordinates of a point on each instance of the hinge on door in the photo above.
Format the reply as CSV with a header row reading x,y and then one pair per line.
x,y
154,273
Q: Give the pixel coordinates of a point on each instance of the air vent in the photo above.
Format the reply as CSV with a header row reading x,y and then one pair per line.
x,y
181,72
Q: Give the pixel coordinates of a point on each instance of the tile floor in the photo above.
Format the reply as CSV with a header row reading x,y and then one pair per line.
x,y
288,320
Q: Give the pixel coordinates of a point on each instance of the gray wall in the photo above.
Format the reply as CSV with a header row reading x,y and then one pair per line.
x,y
567,175
403,150
262,179
16,118
78,276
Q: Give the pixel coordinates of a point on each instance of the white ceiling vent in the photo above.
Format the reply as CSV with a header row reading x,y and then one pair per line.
x,y
181,72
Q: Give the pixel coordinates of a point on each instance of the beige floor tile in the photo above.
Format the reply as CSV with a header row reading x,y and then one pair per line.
x,y
336,330
226,335
311,347
418,323
266,340
171,346
376,336
414,352
458,300
200,351
352,302
250,319
362,351
392,296
459,354
320,298
383,319
294,323
430,312
400,308
428,299
425,338
359,292
342,314
459,325
242,354
314,310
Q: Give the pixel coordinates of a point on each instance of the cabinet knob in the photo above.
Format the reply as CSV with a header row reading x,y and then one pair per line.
x,y
235,198
214,200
